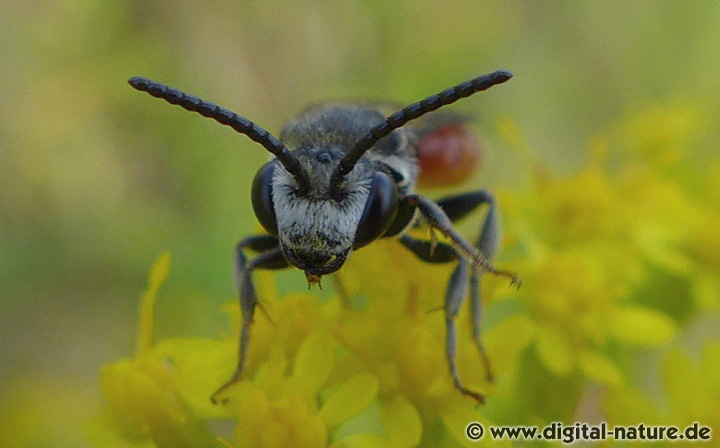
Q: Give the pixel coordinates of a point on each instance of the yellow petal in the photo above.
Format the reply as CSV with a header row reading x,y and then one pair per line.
x,y
711,367
274,435
667,257
554,350
158,274
506,340
362,441
402,422
313,363
312,434
706,292
138,393
160,270
641,326
627,407
199,368
253,414
458,418
351,398
142,400
599,368
682,383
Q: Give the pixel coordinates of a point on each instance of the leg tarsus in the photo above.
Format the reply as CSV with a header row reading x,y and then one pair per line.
x,y
451,351
476,316
244,339
456,292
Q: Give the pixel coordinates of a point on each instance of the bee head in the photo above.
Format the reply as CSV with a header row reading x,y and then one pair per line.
x,y
316,229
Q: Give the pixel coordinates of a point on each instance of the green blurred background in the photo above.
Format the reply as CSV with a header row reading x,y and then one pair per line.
x,y
97,179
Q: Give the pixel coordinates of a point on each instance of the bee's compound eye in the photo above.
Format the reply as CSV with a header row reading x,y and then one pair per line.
x,y
262,198
380,210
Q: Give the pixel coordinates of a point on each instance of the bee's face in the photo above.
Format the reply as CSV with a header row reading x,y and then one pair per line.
x,y
316,232
316,236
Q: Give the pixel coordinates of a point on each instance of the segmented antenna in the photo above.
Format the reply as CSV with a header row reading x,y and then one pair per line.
x,y
411,112
228,118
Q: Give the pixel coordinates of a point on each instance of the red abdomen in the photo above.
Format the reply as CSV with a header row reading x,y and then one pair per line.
x,y
448,155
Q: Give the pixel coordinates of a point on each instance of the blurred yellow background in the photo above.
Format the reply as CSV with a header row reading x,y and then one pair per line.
x,y
97,179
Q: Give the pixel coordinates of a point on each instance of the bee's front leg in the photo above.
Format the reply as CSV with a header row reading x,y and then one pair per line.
x,y
270,257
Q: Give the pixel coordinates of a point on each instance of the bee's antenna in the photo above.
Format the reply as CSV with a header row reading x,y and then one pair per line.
x,y
411,112
228,118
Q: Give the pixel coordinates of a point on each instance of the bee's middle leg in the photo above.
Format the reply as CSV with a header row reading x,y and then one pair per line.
x,y
466,276
457,207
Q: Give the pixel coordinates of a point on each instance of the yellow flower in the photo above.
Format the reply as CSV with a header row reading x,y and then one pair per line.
x,y
587,240
278,404
142,399
660,134
399,336
691,393
288,399
701,243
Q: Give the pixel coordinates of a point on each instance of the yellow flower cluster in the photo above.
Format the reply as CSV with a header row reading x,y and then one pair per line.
x,y
318,374
618,260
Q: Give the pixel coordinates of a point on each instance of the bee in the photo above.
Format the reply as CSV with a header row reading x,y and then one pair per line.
x,y
345,175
